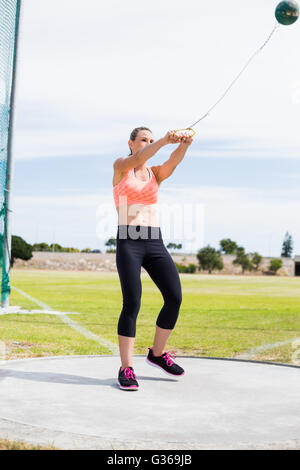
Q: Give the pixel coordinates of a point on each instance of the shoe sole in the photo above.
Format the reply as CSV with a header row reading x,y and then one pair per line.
x,y
161,368
129,388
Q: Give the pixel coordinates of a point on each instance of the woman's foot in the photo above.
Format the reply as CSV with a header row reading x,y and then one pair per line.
x,y
165,362
127,379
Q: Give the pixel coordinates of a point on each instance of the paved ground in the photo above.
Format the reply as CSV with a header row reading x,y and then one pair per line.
x,y
74,402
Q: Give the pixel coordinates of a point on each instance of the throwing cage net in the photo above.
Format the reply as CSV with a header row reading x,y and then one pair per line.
x,y
9,20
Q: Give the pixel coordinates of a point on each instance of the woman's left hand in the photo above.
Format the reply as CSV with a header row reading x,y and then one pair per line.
x,y
186,140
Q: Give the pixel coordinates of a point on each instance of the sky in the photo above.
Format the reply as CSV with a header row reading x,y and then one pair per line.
x,y
89,72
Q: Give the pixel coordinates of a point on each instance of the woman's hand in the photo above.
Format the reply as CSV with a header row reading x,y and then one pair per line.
x,y
172,138
187,140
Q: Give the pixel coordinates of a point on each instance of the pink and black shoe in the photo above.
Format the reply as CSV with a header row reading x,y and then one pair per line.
x,y
165,362
127,379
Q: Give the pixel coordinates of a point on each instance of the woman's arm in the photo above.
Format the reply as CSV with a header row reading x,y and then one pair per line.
x,y
142,155
166,169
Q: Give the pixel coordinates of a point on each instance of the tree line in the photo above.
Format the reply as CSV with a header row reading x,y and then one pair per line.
x,y
209,258
23,250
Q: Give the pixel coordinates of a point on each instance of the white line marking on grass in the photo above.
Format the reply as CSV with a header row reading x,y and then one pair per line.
x,y
16,310
264,347
73,324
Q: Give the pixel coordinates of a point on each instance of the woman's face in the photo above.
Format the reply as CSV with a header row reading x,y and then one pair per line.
x,y
142,139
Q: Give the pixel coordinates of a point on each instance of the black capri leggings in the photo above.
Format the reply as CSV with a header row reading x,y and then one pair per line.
x,y
138,246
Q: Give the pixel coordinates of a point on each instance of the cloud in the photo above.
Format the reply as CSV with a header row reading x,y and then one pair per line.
x,y
88,73
107,68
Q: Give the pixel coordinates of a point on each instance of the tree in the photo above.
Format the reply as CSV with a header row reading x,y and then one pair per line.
x,y
191,268
275,264
287,246
209,259
243,260
228,247
256,260
41,247
70,250
174,246
20,249
111,242
56,247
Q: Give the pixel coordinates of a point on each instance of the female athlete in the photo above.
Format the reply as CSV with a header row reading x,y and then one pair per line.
x,y
140,244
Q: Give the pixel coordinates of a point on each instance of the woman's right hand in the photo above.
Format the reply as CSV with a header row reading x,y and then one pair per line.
x,y
172,138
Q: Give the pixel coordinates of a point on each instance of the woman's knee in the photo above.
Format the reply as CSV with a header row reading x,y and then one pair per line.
x,y
174,299
128,316
132,305
130,310
168,319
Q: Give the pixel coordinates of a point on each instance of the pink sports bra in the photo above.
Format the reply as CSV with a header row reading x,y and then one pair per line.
x,y
131,190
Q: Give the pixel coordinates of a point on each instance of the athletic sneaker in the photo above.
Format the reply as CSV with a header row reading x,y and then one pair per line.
x,y
127,379
165,362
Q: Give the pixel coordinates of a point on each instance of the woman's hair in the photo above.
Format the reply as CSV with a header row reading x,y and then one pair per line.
x,y
135,132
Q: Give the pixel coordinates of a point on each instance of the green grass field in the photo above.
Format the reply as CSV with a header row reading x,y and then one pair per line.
x,y
220,316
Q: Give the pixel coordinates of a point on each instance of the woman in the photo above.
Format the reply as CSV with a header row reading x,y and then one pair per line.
x,y
139,243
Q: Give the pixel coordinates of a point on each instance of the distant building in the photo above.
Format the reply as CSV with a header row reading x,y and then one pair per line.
x,y
297,265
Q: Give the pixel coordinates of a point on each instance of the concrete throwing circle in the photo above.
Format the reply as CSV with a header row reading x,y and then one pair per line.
x,y
216,404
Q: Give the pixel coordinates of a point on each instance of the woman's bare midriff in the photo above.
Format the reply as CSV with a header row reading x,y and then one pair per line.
x,y
136,214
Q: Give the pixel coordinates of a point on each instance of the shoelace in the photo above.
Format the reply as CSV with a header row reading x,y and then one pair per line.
x,y
169,357
129,374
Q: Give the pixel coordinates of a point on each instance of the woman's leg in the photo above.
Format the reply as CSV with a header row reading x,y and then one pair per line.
x,y
128,259
160,340
126,346
162,270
